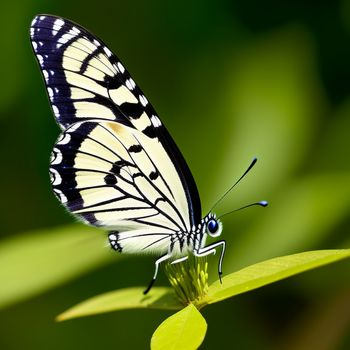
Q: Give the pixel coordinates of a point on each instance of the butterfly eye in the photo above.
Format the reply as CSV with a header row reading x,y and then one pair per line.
x,y
212,227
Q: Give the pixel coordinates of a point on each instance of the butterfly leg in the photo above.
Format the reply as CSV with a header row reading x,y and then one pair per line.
x,y
179,260
211,249
158,261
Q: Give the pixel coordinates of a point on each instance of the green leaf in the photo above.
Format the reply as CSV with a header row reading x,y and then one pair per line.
x,y
33,262
270,271
184,330
128,298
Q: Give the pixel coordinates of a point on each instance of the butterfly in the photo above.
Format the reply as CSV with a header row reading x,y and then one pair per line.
x,y
115,165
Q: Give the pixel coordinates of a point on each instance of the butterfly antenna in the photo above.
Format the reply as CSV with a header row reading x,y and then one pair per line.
x,y
229,190
261,204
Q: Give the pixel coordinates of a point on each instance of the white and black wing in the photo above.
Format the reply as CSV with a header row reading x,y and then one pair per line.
x,y
115,164
103,172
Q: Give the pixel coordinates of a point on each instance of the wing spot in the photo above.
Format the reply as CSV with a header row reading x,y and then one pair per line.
x,y
57,25
35,45
75,127
120,67
60,195
56,110
153,175
46,75
149,131
64,139
107,51
64,39
117,166
56,156
34,21
51,94
40,59
73,32
55,177
113,241
135,148
130,84
59,22
110,179
143,100
156,121
76,30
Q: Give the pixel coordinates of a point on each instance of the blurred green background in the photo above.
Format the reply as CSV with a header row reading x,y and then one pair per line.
x,y
231,80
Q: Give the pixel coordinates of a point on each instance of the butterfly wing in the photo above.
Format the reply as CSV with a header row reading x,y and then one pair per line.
x,y
85,81
102,172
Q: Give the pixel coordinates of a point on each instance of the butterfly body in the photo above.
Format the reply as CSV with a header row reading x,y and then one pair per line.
x,y
115,165
178,244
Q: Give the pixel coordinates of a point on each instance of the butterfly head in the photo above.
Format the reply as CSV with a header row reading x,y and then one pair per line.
x,y
213,225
